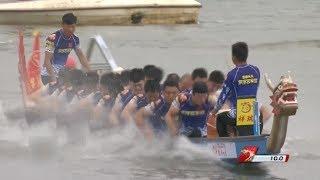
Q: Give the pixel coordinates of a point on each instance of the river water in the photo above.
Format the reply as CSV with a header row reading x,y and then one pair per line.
x,y
282,36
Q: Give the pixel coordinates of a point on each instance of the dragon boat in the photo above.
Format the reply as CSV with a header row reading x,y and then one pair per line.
x,y
255,148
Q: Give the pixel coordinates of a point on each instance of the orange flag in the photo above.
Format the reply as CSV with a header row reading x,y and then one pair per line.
x,y
33,67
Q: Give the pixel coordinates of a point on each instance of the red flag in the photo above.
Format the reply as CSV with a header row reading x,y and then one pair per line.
x,y
33,67
22,66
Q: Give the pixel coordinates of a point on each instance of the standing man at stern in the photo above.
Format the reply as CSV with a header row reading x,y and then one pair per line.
x,y
58,46
241,82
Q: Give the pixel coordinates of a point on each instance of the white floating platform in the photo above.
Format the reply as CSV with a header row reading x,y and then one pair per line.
x,y
101,12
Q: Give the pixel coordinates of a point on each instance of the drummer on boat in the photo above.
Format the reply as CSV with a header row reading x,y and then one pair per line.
x,y
58,46
241,82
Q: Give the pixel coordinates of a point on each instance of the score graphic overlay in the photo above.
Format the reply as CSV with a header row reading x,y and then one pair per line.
x,y
248,154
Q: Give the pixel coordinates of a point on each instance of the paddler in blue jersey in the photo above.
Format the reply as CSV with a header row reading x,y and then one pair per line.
x,y
127,94
241,82
58,47
151,93
185,82
173,77
153,74
136,85
150,119
193,110
73,89
88,95
197,75
110,87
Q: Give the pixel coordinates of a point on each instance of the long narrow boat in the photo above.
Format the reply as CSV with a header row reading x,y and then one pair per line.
x,y
101,12
257,148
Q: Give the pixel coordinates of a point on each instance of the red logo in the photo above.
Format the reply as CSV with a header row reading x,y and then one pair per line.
x,y
247,154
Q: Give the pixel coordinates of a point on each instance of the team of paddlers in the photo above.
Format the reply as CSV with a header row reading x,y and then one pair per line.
x,y
188,105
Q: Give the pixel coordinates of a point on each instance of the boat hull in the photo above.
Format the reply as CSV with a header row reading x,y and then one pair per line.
x,y
229,148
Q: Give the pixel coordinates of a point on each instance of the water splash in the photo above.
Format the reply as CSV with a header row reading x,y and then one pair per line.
x,y
124,142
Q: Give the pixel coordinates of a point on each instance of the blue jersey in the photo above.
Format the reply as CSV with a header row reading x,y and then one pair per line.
x,y
242,81
107,102
96,97
187,91
125,98
61,46
141,102
158,110
193,117
69,95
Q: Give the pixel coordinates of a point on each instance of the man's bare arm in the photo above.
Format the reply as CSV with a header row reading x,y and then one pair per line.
x,y
171,120
129,111
47,64
114,120
140,120
115,111
83,59
97,113
143,114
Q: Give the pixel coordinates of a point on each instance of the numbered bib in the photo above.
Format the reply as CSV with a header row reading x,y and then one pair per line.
x,y
245,111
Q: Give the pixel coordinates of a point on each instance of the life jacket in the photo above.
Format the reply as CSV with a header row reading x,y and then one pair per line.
x,y
194,117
